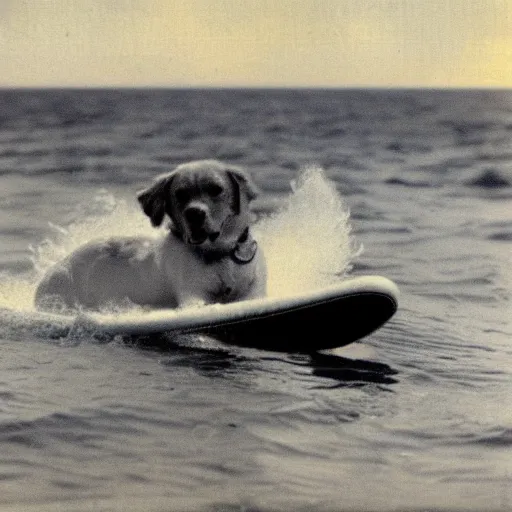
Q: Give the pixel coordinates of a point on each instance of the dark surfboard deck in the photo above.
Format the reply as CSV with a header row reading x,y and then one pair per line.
x,y
322,319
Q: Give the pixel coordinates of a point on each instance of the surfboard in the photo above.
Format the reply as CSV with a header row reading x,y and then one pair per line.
x,y
331,317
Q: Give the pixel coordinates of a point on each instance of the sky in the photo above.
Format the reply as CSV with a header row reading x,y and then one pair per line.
x,y
258,43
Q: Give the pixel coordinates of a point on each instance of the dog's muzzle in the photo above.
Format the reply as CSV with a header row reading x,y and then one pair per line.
x,y
195,216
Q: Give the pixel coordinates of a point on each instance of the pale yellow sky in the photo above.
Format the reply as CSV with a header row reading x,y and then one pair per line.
x,y
332,43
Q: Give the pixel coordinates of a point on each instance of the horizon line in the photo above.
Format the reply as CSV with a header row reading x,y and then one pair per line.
x,y
257,87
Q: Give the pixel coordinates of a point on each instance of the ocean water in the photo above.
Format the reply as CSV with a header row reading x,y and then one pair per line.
x,y
412,185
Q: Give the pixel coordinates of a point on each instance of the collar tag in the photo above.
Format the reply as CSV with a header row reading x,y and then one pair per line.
x,y
244,252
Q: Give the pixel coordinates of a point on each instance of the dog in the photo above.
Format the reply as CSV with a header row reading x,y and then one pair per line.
x,y
208,255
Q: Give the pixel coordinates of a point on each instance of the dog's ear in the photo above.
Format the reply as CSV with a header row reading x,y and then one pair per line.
x,y
242,184
153,199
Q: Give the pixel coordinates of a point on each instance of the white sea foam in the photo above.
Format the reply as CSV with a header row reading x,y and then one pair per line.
x,y
307,243
104,217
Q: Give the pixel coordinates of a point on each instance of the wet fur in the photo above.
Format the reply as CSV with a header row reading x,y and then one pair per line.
x,y
208,205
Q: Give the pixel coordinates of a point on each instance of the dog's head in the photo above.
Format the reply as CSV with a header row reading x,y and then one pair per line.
x,y
206,200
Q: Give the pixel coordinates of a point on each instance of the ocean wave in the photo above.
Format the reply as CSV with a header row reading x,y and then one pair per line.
x,y
489,178
501,236
408,183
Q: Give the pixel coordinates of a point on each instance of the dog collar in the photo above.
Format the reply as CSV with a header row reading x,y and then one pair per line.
x,y
245,249
242,254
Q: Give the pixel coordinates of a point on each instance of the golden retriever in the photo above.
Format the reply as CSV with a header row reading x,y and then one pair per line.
x,y
207,256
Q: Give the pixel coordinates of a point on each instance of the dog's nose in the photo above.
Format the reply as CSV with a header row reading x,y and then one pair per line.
x,y
195,215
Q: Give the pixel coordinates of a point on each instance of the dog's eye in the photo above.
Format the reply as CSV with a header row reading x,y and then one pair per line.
x,y
214,190
182,195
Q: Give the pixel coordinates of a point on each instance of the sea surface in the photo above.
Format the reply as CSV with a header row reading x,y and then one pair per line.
x,y
412,185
